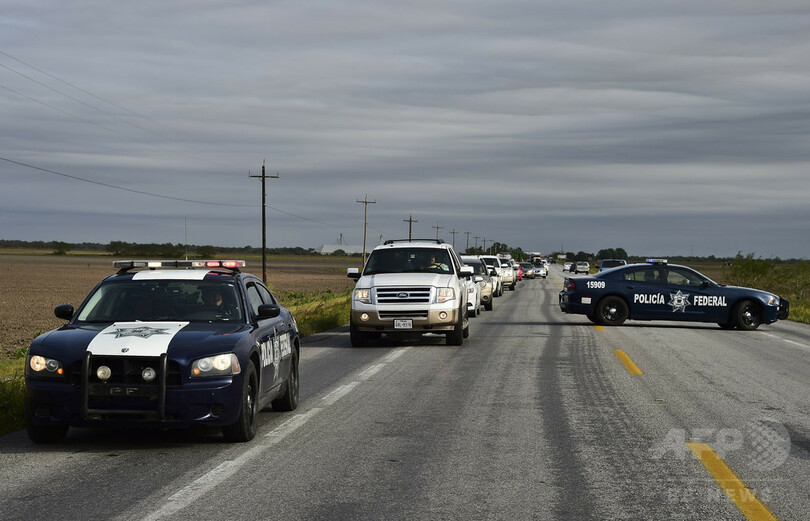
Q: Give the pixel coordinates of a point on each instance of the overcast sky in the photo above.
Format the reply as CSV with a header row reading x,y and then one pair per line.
x,y
664,128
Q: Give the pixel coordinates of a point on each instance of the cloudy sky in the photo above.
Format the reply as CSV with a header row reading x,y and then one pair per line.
x,y
659,127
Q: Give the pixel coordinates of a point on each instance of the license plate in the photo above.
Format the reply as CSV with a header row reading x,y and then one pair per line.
x,y
403,324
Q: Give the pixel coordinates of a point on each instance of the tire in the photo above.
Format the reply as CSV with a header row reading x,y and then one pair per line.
x,y
247,424
44,433
746,315
488,305
611,311
456,336
289,400
592,318
465,332
358,338
725,325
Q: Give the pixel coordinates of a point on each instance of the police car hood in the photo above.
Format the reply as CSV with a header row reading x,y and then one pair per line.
x,y
406,279
146,339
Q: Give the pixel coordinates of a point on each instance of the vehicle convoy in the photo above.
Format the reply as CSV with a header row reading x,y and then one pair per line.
x,y
481,277
656,290
165,344
504,269
409,288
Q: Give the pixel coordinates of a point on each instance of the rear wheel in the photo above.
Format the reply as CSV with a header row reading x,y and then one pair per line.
x,y
488,305
247,424
747,315
611,311
289,400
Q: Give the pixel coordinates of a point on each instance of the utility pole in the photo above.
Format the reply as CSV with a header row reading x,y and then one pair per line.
x,y
410,220
437,229
468,240
476,237
453,232
264,220
365,202
485,244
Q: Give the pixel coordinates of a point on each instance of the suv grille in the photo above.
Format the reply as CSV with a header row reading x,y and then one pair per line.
x,y
404,295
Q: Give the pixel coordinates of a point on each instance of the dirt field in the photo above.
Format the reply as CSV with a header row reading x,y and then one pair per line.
x,y
32,285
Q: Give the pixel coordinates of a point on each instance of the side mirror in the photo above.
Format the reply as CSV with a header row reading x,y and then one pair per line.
x,y
353,273
63,311
478,278
269,311
493,272
466,271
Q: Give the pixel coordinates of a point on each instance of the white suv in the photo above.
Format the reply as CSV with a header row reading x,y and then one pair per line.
x,y
409,288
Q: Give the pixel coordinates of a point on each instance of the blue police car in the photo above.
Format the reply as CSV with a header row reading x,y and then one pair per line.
x,y
656,290
165,344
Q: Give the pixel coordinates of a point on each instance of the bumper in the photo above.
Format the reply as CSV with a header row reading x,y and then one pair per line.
x,y
395,320
569,304
214,402
784,309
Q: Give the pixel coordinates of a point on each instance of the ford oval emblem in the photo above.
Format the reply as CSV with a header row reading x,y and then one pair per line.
x,y
402,295
124,349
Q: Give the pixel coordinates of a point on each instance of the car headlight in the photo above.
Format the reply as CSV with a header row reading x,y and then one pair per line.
x,y
363,295
445,294
42,366
773,300
219,365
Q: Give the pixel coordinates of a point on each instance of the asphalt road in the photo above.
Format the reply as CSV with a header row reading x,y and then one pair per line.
x,y
536,416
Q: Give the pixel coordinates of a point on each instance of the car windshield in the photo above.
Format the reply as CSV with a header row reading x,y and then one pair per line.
x,y
409,260
162,300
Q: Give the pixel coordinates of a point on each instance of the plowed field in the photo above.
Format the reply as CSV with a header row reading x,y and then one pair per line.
x,y
32,285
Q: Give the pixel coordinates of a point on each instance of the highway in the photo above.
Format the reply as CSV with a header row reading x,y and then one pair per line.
x,y
539,415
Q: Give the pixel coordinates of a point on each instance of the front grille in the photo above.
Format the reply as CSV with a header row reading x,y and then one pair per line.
x,y
403,314
404,295
125,393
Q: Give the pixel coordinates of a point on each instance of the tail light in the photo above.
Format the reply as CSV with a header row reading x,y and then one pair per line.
x,y
569,284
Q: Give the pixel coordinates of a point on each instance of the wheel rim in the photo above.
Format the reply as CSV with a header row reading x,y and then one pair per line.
x,y
750,316
612,312
251,403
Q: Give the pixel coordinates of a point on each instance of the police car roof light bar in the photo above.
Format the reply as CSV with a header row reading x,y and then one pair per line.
x,y
656,261
126,265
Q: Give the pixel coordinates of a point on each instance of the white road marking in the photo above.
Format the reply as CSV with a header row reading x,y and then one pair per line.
x,y
205,483
793,342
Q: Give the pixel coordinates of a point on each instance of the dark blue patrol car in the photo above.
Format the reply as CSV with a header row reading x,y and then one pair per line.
x,y
165,344
659,291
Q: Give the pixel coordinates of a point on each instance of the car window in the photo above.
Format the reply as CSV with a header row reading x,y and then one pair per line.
x,y
682,277
650,275
255,298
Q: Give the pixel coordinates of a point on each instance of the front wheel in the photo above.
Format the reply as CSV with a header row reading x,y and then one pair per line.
x,y
456,336
611,311
44,433
358,338
247,424
747,315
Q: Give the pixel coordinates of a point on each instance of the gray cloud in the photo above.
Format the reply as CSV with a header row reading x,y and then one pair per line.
x,y
663,129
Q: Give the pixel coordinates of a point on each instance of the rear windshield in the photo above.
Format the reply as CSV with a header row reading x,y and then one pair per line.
x,y
162,300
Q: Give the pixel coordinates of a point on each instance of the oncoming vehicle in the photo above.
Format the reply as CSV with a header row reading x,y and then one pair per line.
x,y
165,344
657,290
606,264
581,267
409,288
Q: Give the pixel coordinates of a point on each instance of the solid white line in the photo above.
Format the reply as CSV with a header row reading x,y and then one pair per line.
x,y
339,393
390,357
194,490
793,342
371,371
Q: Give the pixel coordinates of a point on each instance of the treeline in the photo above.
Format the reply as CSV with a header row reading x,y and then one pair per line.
x,y
153,250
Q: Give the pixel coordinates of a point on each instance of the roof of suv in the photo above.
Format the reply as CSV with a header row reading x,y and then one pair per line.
x,y
406,243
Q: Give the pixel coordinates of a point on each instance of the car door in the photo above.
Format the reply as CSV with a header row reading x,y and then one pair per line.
x,y
695,297
646,293
267,333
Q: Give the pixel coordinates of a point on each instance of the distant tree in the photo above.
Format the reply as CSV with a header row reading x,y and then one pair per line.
x,y
339,252
117,248
206,252
60,248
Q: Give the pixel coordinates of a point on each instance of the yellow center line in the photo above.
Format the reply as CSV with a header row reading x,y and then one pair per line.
x,y
599,328
744,499
628,364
